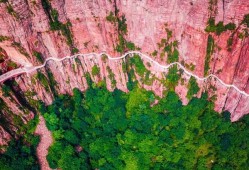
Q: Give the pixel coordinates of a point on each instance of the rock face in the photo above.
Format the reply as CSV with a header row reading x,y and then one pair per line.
x,y
33,30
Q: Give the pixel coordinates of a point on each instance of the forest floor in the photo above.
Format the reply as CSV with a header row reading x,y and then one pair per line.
x,y
45,141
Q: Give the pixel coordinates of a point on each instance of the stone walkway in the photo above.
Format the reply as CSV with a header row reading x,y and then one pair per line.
x,y
18,71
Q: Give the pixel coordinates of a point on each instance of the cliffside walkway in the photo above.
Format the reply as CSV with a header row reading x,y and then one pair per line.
x,y
19,71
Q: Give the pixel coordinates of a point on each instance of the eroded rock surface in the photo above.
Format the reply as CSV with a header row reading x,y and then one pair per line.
x,y
28,30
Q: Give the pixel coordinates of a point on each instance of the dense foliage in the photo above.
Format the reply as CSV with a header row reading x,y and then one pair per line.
x,y
246,20
114,130
172,78
209,52
38,56
95,70
193,87
138,64
21,153
219,27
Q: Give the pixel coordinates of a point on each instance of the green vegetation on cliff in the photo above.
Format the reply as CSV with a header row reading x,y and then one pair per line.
x,y
219,27
246,20
95,70
56,25
209,52
21,152
172,78
38,56
167,46
99,129
193,87
120,24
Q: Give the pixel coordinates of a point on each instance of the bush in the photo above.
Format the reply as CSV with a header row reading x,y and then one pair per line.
x,y
174,57
154,53
246,20
193,88
172,78
95,70
38,56
219,28
111,17
56,25
139,65
43,79
230,26
130,45
3,38
6,90
75,50
210,50
122,44
46,5
211,25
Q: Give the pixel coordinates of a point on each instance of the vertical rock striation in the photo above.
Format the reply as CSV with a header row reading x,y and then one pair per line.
x,y
33,30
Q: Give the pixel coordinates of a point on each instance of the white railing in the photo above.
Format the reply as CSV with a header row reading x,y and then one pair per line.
x,y
31,69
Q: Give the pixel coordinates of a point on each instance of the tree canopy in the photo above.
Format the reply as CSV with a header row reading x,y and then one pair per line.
x,y
117,130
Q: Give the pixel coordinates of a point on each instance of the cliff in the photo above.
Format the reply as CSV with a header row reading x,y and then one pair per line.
x,y
206,36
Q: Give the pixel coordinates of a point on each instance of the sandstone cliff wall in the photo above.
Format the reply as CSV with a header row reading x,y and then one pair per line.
x,y
27,38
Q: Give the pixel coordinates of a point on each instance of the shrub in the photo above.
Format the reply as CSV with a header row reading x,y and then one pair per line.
x,y
11,65
130,45
111,17
75,50
6,90
172,78
154,53
95,70
38,56
173,57
211,25
246,20
230,26
210,50
122,44
229,43
43,80
193,88
139,65
219,28
3,38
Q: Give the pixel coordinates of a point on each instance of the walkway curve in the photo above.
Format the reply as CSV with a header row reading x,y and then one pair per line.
x,y
19,71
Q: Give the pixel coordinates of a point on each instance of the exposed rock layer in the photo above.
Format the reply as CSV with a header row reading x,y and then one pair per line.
x,y
29,25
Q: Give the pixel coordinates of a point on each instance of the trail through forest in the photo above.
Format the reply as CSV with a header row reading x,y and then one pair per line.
x,y
45,141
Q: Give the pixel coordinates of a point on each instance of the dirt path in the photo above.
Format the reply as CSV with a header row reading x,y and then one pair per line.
x,y
45,141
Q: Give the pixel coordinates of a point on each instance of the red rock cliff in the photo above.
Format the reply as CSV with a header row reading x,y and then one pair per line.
x,y
32,31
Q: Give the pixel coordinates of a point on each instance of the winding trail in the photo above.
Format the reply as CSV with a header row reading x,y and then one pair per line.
x,y
45,141
19,71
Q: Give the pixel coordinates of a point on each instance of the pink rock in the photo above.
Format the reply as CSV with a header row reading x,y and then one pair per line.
x,y
146,27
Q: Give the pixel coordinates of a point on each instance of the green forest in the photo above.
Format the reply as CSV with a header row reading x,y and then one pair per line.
x,y
100,129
